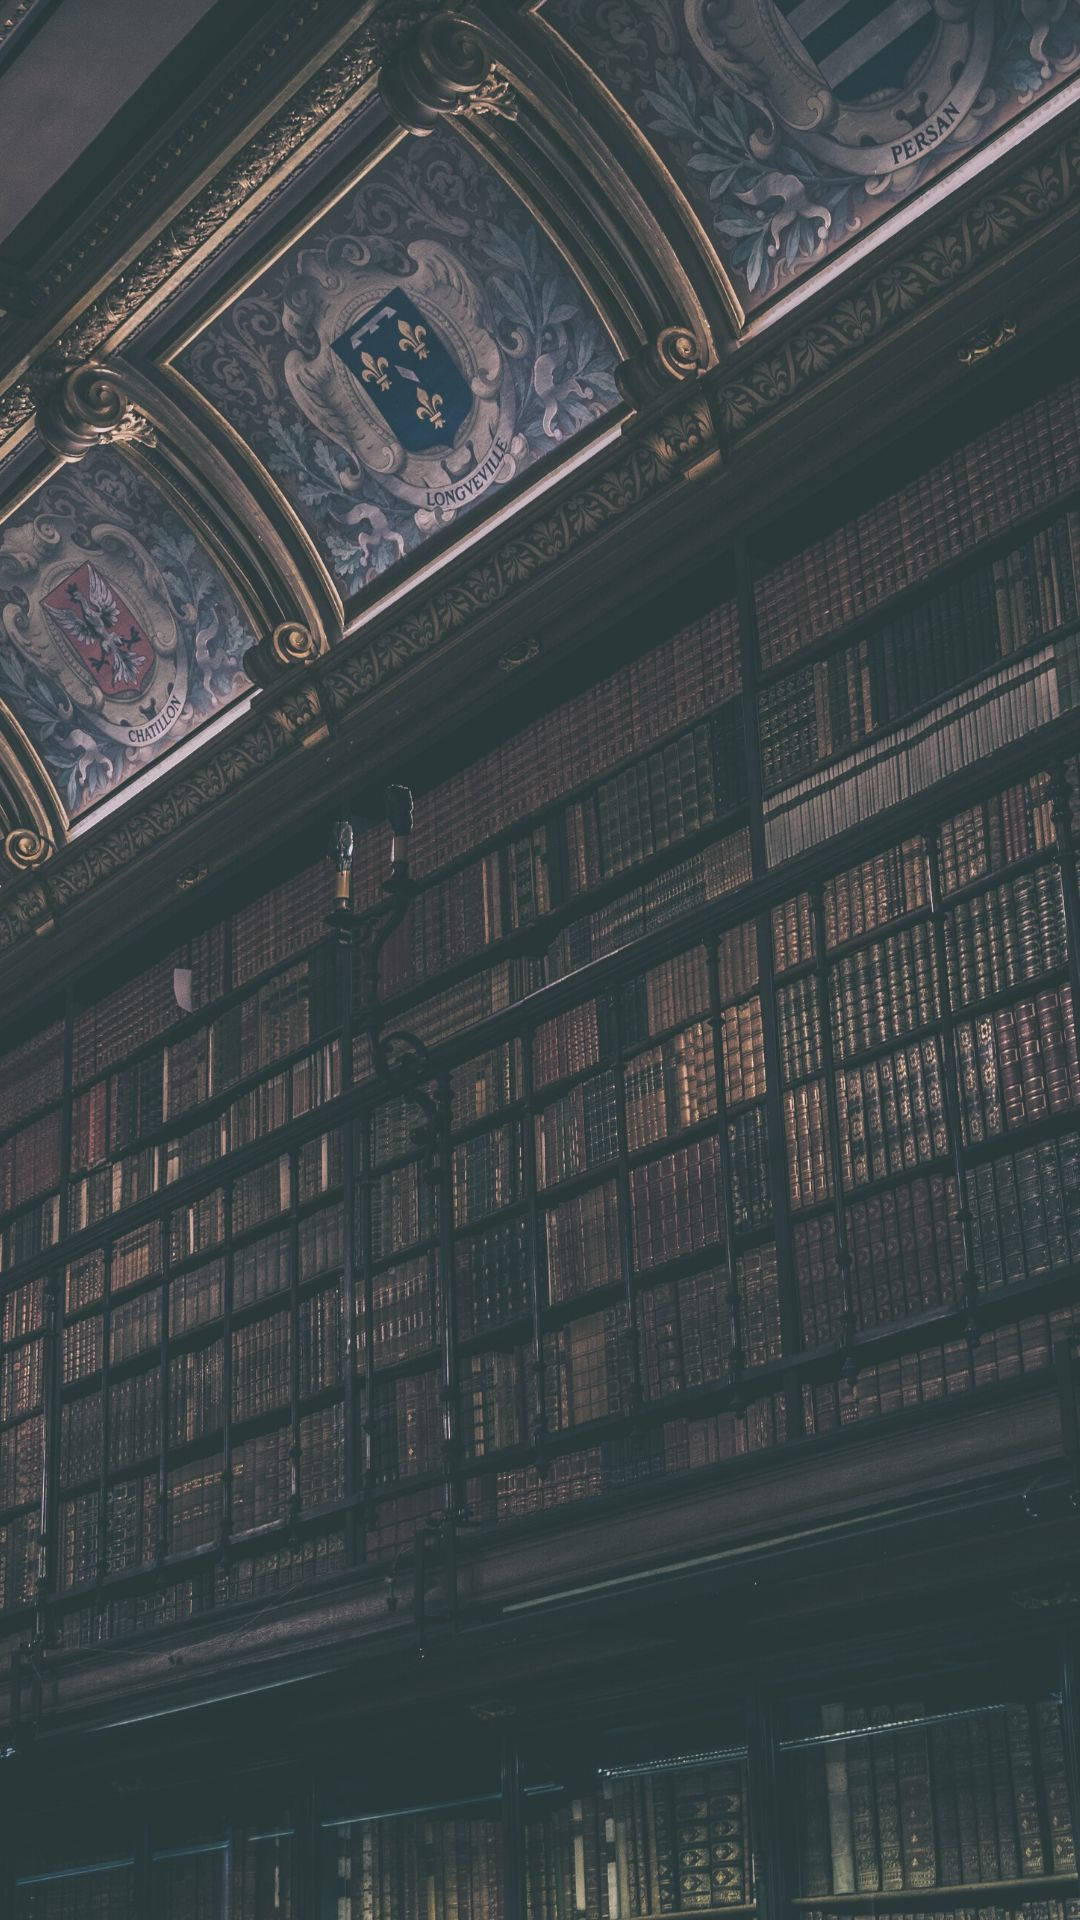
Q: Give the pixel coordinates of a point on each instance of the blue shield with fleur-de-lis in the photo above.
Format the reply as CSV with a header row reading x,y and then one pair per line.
x,y
403,365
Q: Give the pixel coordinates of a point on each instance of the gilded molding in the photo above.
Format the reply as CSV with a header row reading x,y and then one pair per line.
x,y
290,648
443,69
89,408
209,216
26,849
673,355
972,352
944,257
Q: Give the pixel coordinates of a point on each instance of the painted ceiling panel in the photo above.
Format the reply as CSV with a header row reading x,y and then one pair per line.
x,y
118,634
794,125
419,348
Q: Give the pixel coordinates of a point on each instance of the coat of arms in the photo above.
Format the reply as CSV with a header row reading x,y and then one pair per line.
x,y
869,88
400,371
100,627
88,607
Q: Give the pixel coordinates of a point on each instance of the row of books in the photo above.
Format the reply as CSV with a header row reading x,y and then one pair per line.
x,y
977,490
1025,1213
975,1798
877,993
490,990
260,1481
401,1209
959,730
750,1171
665,996
742,1038
120,1183
646,809
581,1130
278,1020
261,1194
447,1867
955,635
22,1459
907,1256
718,869
32,1074
320,1349
588,1369
19,1559
687,1333
907,1249
1011,934
672,1086
890,1114
405,1309
30,1232
863,899
492,1269
247,1576
494,1401
489,1082
30,1160
993,833
583,1241
630,1459
569,1043
1018,1064
22,1310
487,1172
140,1010
403,1427
1005,936
286,1096
938,1371
662,1842
692,673
22,1376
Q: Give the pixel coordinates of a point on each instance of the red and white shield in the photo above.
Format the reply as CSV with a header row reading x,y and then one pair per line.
x,y
99,626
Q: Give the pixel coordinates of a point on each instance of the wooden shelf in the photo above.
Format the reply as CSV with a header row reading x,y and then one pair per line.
x,y
919,1899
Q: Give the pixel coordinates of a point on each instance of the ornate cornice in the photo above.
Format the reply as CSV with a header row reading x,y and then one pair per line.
x,y
274,731
660,455
208,219
664,453
989,227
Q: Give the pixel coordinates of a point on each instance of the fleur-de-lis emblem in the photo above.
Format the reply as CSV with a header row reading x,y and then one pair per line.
x,y
413,339
376,371
429,407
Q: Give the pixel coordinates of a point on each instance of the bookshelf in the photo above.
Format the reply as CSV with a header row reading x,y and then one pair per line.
x,y
750,1138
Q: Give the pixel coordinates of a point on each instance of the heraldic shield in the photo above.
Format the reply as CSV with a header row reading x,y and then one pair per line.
x,y
869,88
399,370
88,607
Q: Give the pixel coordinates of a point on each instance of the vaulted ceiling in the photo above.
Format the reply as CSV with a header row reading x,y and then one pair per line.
x,y
326,328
